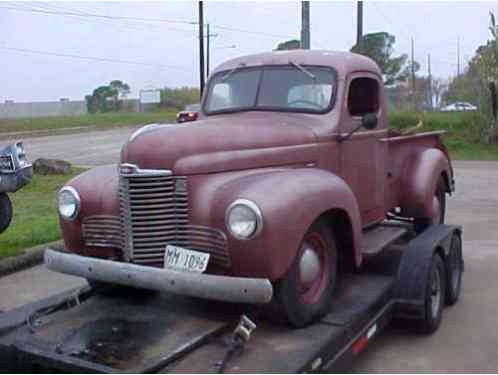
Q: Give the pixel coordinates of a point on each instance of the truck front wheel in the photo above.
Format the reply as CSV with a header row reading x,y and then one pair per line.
x,y
5,211
305,293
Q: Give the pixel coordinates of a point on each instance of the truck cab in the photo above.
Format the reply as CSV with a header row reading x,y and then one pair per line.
x,y
283,182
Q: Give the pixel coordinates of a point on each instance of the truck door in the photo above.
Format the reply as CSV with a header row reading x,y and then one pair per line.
x,y
363,155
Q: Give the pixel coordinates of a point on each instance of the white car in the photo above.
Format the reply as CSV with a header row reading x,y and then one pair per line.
x,y
459,106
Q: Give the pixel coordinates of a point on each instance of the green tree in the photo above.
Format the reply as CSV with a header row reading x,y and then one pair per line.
x,y
288,45
380,47
107,98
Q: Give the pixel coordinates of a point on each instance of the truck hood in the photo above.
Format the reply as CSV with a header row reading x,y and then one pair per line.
x,y
222,143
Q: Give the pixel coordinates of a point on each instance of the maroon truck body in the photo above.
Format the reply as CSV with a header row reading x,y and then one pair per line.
x,y
295,166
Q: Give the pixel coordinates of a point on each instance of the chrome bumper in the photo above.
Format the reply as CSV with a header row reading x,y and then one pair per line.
x,y
221,288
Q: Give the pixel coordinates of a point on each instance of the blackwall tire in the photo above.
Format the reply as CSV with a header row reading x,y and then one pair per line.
x,y
5,211
454,270
435,295
439,202
305,293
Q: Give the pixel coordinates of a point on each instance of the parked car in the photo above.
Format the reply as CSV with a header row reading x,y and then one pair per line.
x,y
459,107
15,172
265,200
190,113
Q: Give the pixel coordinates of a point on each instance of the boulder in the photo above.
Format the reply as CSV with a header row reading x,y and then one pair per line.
x,y
51,166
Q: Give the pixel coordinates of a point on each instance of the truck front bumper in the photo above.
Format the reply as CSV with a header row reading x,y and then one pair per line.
x,y
221,288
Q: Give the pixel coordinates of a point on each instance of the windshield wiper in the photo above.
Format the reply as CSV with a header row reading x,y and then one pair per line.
x,y
303,70
226,76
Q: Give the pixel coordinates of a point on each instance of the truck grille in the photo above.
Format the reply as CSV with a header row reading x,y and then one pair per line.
x,y
102,231
155,213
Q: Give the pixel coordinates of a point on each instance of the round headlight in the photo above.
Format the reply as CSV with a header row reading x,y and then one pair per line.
x,y
244,219
68,202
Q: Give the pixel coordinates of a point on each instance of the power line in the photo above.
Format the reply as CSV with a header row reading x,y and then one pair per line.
x,y
91,58
141,19
103,16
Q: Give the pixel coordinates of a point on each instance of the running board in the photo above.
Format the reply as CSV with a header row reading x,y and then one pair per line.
x,y
376,239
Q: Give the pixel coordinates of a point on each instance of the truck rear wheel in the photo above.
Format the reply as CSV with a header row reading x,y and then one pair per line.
x,y
5,211
434,296
305,293
438,208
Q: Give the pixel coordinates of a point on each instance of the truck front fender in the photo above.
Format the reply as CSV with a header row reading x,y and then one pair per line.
x,y
98,189
290,201
420,180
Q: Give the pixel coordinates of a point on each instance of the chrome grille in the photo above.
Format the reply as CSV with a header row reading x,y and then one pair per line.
x,y
102,231
155,212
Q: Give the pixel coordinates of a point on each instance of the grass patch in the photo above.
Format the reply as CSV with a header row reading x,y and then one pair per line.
x,y
35,219
99,120
462,137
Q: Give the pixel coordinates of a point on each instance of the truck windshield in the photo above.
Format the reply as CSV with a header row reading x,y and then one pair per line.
x,y
292,88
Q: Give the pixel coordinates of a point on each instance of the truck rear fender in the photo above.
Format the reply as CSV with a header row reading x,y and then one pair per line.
x,y
420,179
290,201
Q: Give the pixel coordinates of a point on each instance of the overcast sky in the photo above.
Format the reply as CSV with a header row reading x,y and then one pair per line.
x,y
161,48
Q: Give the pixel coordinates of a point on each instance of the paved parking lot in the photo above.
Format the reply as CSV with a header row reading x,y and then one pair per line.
x,y
468,338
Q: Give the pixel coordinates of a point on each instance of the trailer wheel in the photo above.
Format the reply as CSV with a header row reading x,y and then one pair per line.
x,y
5,211
438,207
434,296
454,270
305,292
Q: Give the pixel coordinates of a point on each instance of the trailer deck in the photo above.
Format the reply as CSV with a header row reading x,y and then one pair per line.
x,y
143,332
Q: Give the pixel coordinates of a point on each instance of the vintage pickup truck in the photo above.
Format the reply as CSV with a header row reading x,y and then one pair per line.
x,y
286,180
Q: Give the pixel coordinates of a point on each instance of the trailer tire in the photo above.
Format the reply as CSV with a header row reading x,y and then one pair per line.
x,y
434,296
454,270
305,293
5,211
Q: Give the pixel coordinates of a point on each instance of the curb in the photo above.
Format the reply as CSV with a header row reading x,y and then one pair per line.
x,y
46,132
28,258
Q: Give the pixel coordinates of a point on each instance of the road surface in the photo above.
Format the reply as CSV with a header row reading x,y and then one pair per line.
x,y
468,338
86,148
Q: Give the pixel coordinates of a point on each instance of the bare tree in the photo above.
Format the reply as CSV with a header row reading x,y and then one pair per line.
x,y
438,87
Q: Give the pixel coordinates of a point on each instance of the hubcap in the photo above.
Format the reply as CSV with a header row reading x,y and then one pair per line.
x,y
313,269
435,293
309,266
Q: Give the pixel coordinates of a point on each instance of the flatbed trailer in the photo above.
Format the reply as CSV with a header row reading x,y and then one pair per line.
x,y
139,332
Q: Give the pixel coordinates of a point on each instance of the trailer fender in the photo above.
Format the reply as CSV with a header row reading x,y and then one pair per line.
x,y
420,181
414,267
290,200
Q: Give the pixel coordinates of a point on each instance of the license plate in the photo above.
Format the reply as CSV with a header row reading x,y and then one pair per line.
x,y
182,259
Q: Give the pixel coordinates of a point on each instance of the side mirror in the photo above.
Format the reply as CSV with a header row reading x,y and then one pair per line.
x,y
369,121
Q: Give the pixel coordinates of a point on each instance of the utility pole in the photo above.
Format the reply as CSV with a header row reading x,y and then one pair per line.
x,y
458,56
208,48
429,80
305,24
359,23
201,47
413,76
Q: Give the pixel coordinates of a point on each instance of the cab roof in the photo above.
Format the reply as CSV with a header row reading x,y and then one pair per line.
x,y
343,62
